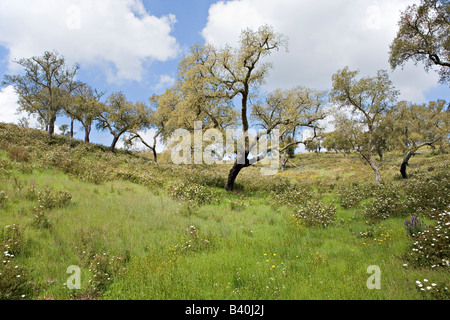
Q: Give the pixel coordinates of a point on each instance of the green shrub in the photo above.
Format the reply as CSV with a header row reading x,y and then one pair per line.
x,y
433,290
48,199
104,268
197,194
292,196
14,279
424,194
387,202
431,247
316,214
40,220
12,240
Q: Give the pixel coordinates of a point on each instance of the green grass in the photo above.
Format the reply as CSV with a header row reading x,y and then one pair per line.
x,y
242,248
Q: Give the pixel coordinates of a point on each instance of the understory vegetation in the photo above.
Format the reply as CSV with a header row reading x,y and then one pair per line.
x,y
140,230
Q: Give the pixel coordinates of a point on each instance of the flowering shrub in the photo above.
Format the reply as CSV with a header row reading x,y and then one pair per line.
x,y
48,199
40,219
433,291
432,246
386,203
104,268
424,194
12,240
291,196
414,226
316,214
351,196
193,193
14,279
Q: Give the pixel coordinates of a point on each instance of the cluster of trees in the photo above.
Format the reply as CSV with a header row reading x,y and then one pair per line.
x,y
219,87
48,89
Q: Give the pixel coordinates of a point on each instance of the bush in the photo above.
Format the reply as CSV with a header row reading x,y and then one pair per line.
x,y
291,196
14,279
48,199
12,240
18,154
424,194
40,219
432,246
194,193
104,268
433,291
387,202
316,214
352,194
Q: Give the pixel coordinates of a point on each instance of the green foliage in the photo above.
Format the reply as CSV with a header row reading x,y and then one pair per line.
x,y
105,268
423,37
40,220
431,247
14,279
316,214
387,202
194,193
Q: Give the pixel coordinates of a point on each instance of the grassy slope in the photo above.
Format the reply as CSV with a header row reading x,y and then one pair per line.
x,y
254,250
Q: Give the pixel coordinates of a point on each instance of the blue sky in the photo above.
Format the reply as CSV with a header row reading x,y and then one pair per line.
x,y
134,46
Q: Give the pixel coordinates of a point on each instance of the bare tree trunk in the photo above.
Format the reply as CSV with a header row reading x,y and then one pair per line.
x,y
87,133
71,127
155,156
376,170
405,163
234,172
113,145
51,126
373,165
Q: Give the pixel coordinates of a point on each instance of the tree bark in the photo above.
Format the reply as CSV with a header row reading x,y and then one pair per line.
x,y
234,172
71,127
113,145
51,126
155,156
405,163
87,133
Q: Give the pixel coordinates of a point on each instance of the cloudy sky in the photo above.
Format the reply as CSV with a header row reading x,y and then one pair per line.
x,y
134,45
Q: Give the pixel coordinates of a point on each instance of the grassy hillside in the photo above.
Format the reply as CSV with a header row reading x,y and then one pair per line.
x,y
139,230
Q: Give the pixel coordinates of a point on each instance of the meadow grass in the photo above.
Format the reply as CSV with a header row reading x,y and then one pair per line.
x,y
241,245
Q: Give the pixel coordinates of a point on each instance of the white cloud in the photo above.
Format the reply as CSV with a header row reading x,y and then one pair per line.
x,y
324,36
164,81
8,105
119,35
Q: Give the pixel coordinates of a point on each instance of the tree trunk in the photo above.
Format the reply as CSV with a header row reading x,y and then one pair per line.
x,y
234,172
87,132
405,164
113,145
155,156
71,127
374,167
377,172
51,126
